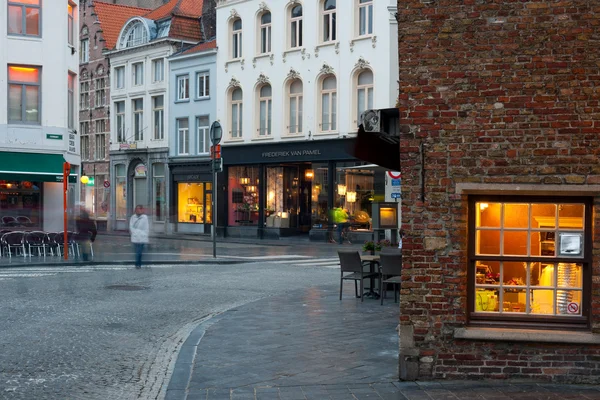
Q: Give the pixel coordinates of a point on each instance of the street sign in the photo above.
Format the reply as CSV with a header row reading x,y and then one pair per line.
x,y
394,174
218,165
396,195
216,132
396,182
106,184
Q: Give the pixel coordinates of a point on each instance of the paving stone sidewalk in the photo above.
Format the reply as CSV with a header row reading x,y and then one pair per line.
x,y
310,345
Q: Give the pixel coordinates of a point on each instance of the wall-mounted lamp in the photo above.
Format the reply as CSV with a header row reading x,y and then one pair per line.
x,y
251,188
244,181
350,197
309,174
342,190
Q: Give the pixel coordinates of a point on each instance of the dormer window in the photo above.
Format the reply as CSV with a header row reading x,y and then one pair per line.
x,y
135,33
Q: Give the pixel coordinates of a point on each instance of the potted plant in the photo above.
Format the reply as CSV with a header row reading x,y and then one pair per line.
x,y
373,246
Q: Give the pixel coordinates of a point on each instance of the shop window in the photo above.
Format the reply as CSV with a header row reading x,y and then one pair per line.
x,y
159,193
329,21
296,27
354,191
24,17
265,33
243,186
528,258
365,18
24,100
21,204
102,197
282,202
121,191
194,202
319,190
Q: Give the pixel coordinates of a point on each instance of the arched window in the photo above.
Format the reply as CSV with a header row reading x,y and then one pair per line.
x,y
265,33
134,34
265,106
364,17
295,27
328,19
236,104
295,107
236,38
329,104
364,93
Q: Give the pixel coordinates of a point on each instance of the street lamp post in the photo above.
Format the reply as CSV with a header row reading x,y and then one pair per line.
x,y
216,132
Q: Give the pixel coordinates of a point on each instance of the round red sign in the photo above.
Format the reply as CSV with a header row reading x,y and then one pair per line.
x,y
394,175
573,308
106,184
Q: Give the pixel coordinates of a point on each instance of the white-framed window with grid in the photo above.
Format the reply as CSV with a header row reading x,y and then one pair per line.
x,y
328,104
203,134
328,21
202,85
364,18
120,121
183,136
295,102
265,33
158,70
296,22
137,70
183,88
265,107
236,39
138,119
236,113
158,117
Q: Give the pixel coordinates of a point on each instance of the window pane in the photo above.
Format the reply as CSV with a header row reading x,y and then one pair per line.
x,y
487,242
293,104
370,98
370,20
241,119
326,28
365,78
325,112
32,103
570,216
360,102
488,215
294,42
487,272
516,215
237,94
333,27
265,91
300,33
362,18
15,102
234,119
263,117
269,116
206,85
486,300
334,111
300,114
15,19
541,274
515,300
565,299
329,83
23,74
296,87
543,215
515,243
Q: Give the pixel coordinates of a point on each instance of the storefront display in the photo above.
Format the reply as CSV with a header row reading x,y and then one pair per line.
x,y
194,203
242,187
20,204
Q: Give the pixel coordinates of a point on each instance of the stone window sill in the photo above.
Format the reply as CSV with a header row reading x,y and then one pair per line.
x,y
527,335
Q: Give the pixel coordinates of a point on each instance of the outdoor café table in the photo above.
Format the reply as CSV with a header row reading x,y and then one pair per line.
x,y
372,260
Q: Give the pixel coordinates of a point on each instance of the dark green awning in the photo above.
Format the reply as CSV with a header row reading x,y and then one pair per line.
x,y
32,167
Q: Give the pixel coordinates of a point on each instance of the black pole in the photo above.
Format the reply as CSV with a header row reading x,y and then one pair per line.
x,y
214,209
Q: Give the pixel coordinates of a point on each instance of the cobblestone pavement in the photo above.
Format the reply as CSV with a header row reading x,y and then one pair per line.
x,y
307,344
112,333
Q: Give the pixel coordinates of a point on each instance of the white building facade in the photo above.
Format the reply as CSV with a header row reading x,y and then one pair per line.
x,y
294,77
38,122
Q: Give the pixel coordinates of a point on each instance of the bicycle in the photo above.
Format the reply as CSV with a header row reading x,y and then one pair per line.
x,y
345,234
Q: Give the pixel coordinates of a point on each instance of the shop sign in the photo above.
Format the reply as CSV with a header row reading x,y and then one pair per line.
x,y
54,136
127,146
140,171
72,146
91,181
291,153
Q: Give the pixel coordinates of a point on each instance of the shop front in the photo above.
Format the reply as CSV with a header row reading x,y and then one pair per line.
x,y
191,197
286,189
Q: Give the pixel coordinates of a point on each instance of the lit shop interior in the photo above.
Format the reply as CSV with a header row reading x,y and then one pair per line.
x,y
531,258
298,197
20,204
194,202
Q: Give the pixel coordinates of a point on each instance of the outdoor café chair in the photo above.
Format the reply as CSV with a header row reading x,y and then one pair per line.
x,y
13,240
390,265
24,221
353,267
36,240
10,221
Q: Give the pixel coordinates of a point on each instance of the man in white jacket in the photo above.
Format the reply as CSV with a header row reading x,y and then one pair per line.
x,y
139,229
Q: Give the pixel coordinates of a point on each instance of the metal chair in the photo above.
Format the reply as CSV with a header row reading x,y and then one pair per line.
x,y
10,221
24,221
390,266
36,240
351,263
71,245
14,240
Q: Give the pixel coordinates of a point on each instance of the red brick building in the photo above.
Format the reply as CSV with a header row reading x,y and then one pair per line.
x,y
500,115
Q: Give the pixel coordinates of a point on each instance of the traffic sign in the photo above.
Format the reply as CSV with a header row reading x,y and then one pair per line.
x,y
396,195
573,308
216,133
394,174
106,184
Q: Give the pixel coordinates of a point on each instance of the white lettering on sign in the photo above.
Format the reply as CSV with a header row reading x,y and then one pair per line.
x,y
72,146
272,154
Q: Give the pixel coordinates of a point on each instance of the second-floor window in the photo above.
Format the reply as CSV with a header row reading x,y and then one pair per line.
x,y
70,23
329,104
100,92
183,87
364,93
203,127
236,113
265,33
236,39
329,22
295,111
138,119
158,117
202,85
120,121
120,77
84,95
137,70
265,109
24,100
183,136
365,17
296,27
158,70
24,17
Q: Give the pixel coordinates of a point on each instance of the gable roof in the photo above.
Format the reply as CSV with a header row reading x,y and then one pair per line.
x,y
112,17
200,47
188,8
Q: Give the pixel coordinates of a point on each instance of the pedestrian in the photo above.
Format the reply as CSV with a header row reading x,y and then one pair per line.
x,y
86,232
341,219
140,230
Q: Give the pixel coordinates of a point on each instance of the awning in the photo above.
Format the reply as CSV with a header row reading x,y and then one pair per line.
x,y
32,167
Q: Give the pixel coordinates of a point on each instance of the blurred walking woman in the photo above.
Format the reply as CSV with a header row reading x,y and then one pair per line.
x,y
139,229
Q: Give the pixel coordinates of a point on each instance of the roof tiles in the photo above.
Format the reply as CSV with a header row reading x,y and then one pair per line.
x,y
200,47
112,17
189,8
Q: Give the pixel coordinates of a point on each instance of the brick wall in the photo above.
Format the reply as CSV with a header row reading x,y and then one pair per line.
x,y
492,92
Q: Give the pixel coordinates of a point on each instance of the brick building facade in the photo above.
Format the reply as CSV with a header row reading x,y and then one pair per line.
x,y
500,116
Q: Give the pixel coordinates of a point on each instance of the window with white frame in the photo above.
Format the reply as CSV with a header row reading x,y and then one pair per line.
x,y
84,51
120,77
70,23
236,113
265,32
236,39
158,70
24,17
84,95
295,107
120,121
71,101
135,35
203,134
202,85
328,20
329,104
183,136
296,27
158,117
265,106
365,17
100,92
364,93
183,87
24,100
100,147
137,70
138,119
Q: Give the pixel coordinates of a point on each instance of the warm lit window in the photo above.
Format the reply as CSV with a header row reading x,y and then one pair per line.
x,y
137,70
158,70
183,88
203,137
158,116
24,17
364,93
329,27
236,113
295,107
265,33
70,23
100,92
236,39
138,119
84,95
183,136
296,27
329,104
529,257
265,106
194,202
120,121
365,17
24,100
100,147
120,77
202,85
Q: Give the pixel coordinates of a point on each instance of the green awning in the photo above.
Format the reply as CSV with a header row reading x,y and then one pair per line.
x,y
32,167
